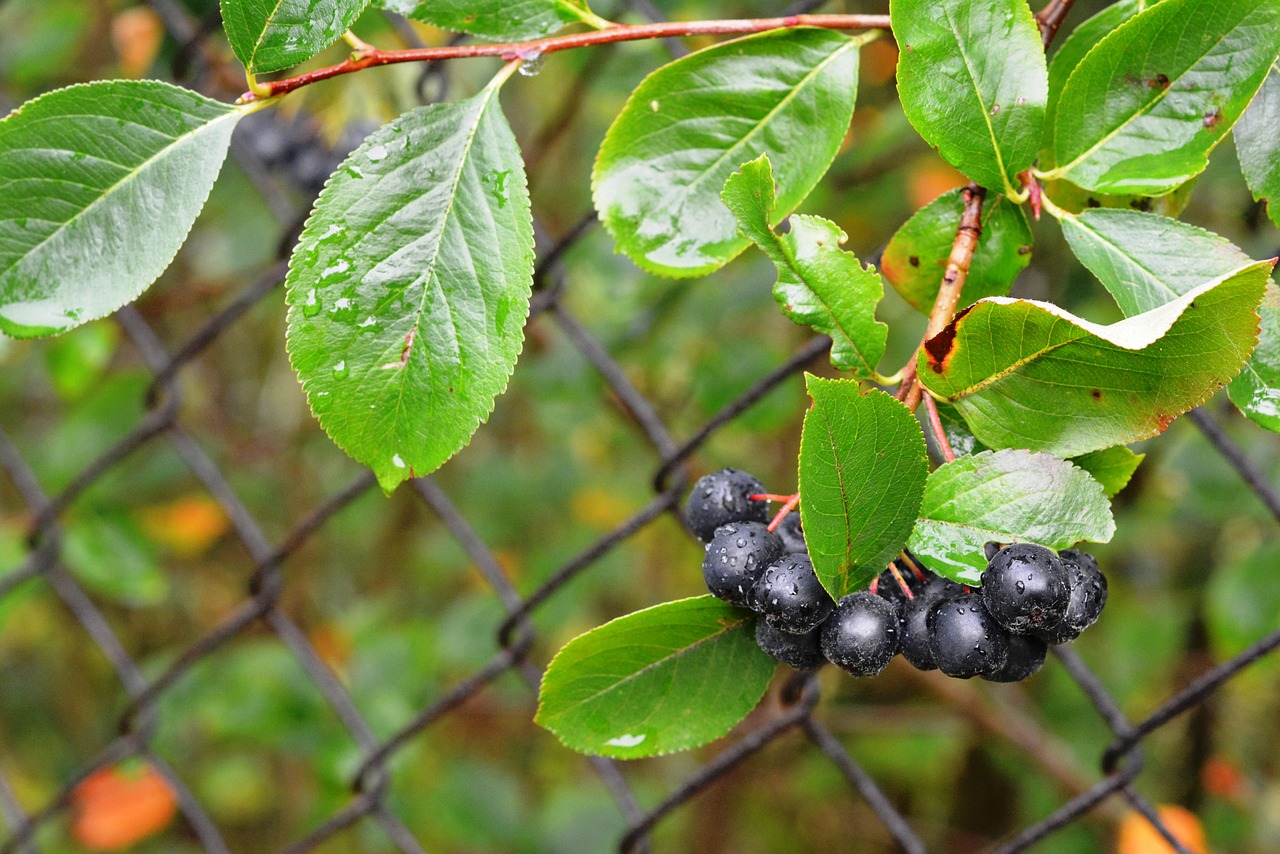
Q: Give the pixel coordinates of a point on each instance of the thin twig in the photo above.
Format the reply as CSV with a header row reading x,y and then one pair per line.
x,y
940,435
1051,17
530,50
944,307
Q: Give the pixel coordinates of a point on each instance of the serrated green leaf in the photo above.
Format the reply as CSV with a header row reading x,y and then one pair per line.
x,y
1071,51
1146,260
657,181
271,35
1026,374
1147,104
502,20
1258,144
1011,496
973,82
99,185
819,284
667,678
1112,467
1256,391
410,285
862,473
915,260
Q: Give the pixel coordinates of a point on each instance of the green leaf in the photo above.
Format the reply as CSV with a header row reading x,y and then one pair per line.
x,y
1146,260
1112,467
1011,496
787,93
862,473
667,678
110,555
916,257
410,285
1256,392
973,82
271,35
99,185
503,20
819,285
1026,374
1071,52
1144,108
1258,144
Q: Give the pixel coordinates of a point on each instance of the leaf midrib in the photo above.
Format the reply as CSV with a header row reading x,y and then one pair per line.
x,y
982,104
1144,109
672,656
123,180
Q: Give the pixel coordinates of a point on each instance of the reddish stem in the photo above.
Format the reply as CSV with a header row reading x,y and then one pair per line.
x,y
897,576
916,569
939,435
790,505
1051,17
769,496
535,48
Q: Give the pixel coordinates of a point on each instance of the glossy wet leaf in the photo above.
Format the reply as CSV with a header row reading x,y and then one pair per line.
x,y
916,257
503,20
788,94
819,284
1145,260
271,35
862,473
973,82
667,678
409,287
99,185
1144,108
1028,374
1256,392
1071,51
1257,137
1112,467
1010,496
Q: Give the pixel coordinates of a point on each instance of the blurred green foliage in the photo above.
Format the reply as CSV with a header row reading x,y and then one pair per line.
x,y
391,602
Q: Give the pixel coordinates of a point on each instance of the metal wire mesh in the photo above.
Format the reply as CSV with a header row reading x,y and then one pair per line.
x,y
796,709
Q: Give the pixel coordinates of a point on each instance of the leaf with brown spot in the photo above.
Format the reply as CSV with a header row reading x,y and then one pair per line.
x,y
1023,373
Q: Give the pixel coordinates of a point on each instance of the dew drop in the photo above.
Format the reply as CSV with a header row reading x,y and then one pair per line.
x,y
397,461
311,307
340,370
376,153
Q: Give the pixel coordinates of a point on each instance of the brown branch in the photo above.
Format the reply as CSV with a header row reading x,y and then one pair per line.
x,y
1051,17
944,307
530,50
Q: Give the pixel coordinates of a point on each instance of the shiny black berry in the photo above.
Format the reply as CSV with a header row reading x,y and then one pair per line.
x,y
1026,654
722,497
1025,589
792,535
803,652
965,640
736,556
862,635
1088,590
790,596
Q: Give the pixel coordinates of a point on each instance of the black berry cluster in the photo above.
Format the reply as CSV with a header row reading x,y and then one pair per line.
x,y
1030,597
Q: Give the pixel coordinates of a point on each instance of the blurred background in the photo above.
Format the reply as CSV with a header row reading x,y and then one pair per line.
x,y
386,599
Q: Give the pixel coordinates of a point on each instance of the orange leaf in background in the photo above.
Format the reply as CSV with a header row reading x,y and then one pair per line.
x,y
1221,778
1137,836
187,526
930,178
115,808
136,34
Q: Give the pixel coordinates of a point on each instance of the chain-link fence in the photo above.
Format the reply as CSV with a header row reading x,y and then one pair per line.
x,y
264,607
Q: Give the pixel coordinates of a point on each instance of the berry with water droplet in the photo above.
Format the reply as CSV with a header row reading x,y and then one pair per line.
x,y
722,497
913,630
965,639
862,635
1025,589
790,596
1026,655
1088,592
736,556
803,652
